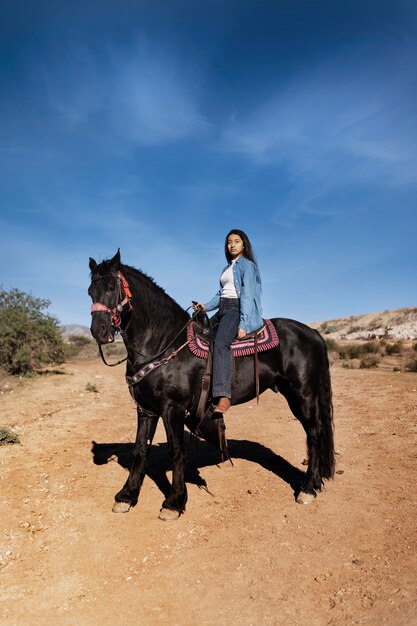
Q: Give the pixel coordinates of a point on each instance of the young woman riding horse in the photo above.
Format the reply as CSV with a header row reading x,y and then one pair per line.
x,y
239,310
164,377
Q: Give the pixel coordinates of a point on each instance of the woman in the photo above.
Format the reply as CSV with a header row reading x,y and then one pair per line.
x,y
239,310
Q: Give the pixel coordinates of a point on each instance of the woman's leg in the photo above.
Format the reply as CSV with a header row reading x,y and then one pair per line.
x,y
222,364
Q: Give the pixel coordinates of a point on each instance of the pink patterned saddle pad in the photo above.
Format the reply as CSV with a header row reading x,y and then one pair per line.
x,y
267,339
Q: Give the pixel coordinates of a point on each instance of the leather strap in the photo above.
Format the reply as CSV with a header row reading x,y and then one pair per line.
x,y
205,386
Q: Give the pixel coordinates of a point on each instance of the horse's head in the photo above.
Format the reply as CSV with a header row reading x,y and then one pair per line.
x,y
110,294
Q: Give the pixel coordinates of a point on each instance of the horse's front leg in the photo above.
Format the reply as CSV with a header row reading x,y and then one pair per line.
x,y
175,503
129,494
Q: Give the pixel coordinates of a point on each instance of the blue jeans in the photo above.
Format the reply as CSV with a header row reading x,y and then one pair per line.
x,y
228,318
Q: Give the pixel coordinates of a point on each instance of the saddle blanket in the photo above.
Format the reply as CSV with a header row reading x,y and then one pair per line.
x,y
267,339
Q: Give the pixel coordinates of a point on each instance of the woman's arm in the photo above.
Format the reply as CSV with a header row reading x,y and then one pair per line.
x,y
247,295
214,303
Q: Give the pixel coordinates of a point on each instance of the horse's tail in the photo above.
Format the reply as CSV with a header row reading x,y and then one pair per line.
x,y
325,442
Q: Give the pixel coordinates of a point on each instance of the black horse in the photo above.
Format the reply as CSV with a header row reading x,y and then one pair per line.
x,y
153,327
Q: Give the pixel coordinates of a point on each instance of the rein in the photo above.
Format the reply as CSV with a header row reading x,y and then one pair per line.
x,y
151,366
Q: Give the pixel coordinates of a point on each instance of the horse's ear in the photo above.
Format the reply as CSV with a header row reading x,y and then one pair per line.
x,y
115,262
92,264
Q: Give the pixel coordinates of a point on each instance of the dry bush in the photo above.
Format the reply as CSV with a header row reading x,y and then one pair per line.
x,y
368,362
393,348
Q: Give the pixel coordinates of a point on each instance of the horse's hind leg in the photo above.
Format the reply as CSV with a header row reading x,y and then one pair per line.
x,y
129,494
174,504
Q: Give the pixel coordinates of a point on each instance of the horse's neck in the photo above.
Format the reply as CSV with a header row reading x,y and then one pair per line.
x,y
156,317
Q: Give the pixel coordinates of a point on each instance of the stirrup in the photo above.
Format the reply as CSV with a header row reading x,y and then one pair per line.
x,y
213,430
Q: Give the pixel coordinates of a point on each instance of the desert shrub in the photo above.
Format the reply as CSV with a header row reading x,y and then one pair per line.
x,y
7,437
115,349
412,366
353,352
91,388
79,340
354,329
357,350
393,348
29,337
370,347
77,344
331,345
368,361
330,329
415,347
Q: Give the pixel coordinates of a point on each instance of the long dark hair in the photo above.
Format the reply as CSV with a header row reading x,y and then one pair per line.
x,y
247,246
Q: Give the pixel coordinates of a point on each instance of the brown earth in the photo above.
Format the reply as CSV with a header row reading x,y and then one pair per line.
x,y
244,552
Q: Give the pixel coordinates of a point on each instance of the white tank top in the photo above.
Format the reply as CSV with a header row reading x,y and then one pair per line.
x,y
227,282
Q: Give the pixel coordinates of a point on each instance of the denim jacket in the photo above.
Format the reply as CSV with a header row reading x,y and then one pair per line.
x,y
248,286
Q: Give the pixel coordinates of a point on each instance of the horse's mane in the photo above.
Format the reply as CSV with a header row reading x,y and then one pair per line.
x,y
158,308
152,306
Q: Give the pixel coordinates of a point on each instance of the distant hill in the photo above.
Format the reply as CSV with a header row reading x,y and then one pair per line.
x,y
76,330
392,324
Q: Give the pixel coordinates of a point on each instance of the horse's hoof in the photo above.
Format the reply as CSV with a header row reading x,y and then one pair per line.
x,y
305,498
168,515
121,507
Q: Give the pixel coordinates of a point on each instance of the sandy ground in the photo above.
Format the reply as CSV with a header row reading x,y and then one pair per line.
x,y
244,552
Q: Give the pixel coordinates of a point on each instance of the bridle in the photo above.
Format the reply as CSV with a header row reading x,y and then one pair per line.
x,y
125,298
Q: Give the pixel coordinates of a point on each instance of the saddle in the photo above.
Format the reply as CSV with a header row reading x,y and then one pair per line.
x,y
201,333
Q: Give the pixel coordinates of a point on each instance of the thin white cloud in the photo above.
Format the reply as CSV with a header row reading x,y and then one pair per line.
x,y
346,121
147,96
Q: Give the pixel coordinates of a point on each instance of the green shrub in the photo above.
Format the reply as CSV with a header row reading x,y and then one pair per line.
x,y
29,337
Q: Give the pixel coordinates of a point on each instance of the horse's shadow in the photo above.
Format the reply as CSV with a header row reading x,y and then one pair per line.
x,y
198,455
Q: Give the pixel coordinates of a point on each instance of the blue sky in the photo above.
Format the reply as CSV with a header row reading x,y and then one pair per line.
x,y
157,126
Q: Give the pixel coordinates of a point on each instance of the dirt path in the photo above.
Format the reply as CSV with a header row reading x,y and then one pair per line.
x,y
244,552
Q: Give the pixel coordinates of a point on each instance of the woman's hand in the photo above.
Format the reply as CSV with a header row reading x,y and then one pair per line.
x,y
197,306
241,333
